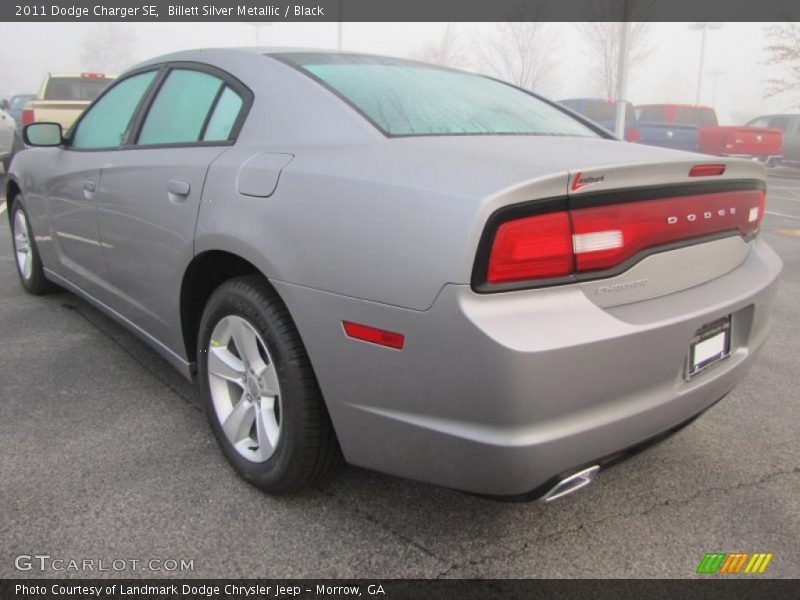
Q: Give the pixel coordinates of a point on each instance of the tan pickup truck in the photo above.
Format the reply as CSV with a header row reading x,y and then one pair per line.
x,y
63,96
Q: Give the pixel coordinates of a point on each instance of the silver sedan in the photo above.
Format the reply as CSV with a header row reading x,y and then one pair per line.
x,y
410,268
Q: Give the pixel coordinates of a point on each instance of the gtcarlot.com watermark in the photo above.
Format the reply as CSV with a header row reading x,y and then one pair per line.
x,y
56,564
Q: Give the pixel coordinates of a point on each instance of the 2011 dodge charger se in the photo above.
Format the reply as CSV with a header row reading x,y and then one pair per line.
x,y
418,270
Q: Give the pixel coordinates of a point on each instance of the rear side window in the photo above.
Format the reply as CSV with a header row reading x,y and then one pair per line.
x,y
780,122
106,123
178,113
75,88
653,114
407,98
222,120
702,117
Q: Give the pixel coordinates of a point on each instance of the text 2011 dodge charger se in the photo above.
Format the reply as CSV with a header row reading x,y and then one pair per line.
x,y
425,272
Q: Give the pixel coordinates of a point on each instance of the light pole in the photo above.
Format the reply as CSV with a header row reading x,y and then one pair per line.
x,y
257,25
715,75
622,70
622,79
340,26
703,27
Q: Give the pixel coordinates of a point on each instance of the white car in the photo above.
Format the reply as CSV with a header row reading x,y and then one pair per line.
x,y
7,127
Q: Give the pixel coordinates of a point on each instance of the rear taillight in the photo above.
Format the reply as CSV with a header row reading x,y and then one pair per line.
x,y
633,135
27,116
599,238
92,75
532,248
641,225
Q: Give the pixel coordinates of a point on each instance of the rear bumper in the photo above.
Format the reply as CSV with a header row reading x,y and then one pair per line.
x,y
498,394
765,158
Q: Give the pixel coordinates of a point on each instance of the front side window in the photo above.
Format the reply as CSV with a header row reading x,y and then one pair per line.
x,y
760,122
107,122
407,98
180,108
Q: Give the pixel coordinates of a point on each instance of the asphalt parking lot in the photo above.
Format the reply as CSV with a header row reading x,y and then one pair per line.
x,y
106,454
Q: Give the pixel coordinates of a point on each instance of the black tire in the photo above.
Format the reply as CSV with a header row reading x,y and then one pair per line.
x,y
36,283
307,451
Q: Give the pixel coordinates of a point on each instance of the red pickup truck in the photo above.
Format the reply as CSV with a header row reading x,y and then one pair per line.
x,y
690,127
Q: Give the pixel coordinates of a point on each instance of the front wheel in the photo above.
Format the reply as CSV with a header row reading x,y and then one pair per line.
x,y
260,392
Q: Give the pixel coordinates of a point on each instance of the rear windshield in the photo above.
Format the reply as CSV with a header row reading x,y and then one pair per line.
x,y
74,88
407,98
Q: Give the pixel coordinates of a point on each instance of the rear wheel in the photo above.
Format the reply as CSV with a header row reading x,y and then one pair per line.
x,y
26,253
261,395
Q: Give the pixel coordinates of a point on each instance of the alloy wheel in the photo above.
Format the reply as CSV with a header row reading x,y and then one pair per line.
x,y
244,388
22,245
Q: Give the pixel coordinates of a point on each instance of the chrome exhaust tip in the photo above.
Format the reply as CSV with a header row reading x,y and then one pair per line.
x,y
571,484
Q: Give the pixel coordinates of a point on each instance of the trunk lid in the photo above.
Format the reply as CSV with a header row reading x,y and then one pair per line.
x,y
639,231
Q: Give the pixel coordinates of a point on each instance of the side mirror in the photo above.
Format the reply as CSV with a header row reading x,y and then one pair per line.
x,y
4,104
43,134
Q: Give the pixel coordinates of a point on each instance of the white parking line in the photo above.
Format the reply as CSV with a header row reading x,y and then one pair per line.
x,y
777,214
785,198
2,206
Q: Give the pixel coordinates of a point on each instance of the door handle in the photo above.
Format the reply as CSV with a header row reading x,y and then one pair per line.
x,y
179,188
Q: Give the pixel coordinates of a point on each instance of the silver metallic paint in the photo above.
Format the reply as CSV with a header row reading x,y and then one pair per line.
x,y
491,393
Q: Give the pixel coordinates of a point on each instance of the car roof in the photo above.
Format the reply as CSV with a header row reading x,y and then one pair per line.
x,y
591,99
776,115
97,74
675,105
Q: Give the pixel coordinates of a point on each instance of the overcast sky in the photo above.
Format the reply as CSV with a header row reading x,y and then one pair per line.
x,y
735,52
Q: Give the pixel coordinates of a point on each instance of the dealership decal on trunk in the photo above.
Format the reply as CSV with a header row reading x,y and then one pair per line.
x,y
581,181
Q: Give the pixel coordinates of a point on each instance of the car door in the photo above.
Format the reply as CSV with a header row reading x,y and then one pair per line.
x,y
150,197
73,187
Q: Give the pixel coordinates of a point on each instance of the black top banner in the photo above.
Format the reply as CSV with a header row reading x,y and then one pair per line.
x,y
399,10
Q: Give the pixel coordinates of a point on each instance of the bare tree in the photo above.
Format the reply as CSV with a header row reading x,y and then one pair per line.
x,y
523,53
784,50
602,43
108,47
447,51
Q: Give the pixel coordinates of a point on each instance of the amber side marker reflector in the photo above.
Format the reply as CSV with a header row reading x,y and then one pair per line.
x,y
706,170
373,335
